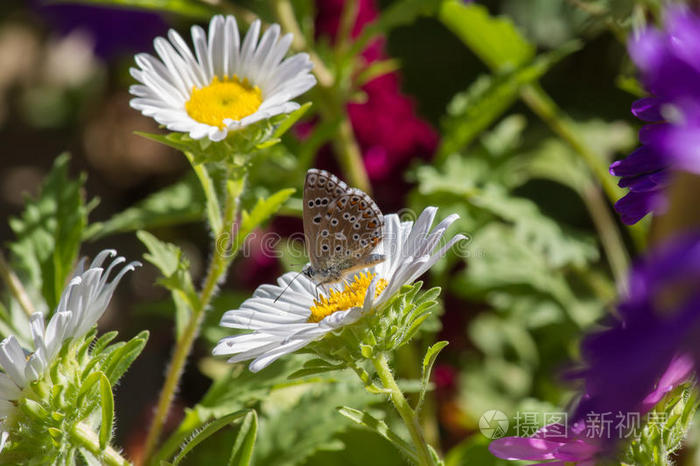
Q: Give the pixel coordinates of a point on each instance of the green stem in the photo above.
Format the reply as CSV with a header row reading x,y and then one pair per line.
x,y
409,417
543,105
609,234
88,439
221,259
350,157
15,286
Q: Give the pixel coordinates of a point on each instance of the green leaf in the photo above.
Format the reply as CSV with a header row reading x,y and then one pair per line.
x,y
471,112
316,366
178,203
242,450
289,121
168,258
206,432
188,8
107,404
428,361
365,419
119,360
495,40
50,231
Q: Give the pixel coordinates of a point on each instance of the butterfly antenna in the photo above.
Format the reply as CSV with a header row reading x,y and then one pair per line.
x,y
287,287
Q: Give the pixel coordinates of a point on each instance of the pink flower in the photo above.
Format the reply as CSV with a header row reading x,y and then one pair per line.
x,y
386,125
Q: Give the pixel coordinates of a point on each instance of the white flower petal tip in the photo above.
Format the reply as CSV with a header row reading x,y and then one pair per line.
x,y
288,315
179,87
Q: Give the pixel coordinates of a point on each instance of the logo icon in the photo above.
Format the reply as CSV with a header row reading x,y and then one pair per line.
x,y
493,424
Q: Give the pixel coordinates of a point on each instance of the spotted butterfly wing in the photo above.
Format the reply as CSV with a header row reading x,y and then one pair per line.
x,y
342,226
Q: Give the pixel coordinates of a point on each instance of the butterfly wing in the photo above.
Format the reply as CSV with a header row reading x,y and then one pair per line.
x,y
321,190
356,228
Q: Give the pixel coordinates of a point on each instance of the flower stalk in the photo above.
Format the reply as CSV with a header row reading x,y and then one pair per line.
x,y
85,437
344,144
408,415
221,259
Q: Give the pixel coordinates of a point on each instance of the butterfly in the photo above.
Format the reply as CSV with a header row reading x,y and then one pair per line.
x,y
342,226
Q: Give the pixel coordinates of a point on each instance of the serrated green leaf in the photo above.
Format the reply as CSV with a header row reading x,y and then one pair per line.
x,y
178,203
495,40
206,432
168,258
242,450
429,359
50,231
263,210
365,419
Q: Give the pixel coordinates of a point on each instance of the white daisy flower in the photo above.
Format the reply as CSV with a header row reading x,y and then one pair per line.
x,y
225,85
82,303
298,317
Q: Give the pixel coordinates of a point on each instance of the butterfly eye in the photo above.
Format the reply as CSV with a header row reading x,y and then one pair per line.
x,y
363,205
317,219
334,222
321,181
353,218
355,237
324,201
338,248
311,203
324,248
356,226
318,201
324,234
346,215
312,180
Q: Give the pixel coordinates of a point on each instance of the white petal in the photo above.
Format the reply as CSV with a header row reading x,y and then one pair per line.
x,y
273,355
8,389
3,439
13,361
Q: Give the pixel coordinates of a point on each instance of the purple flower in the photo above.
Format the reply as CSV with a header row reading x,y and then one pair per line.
x,y
669,62
582,443
658,328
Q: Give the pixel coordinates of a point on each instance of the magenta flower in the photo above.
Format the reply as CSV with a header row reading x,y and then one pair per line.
x,y
385,124
669,62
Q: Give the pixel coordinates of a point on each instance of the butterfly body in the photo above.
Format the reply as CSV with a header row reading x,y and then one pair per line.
x,y
342,226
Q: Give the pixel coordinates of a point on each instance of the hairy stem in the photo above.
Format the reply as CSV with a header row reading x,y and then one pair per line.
x,y
15,286
409,417
86,438
221,259
330,96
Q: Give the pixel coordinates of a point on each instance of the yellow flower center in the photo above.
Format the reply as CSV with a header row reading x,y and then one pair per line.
x,y
230,98
353,295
